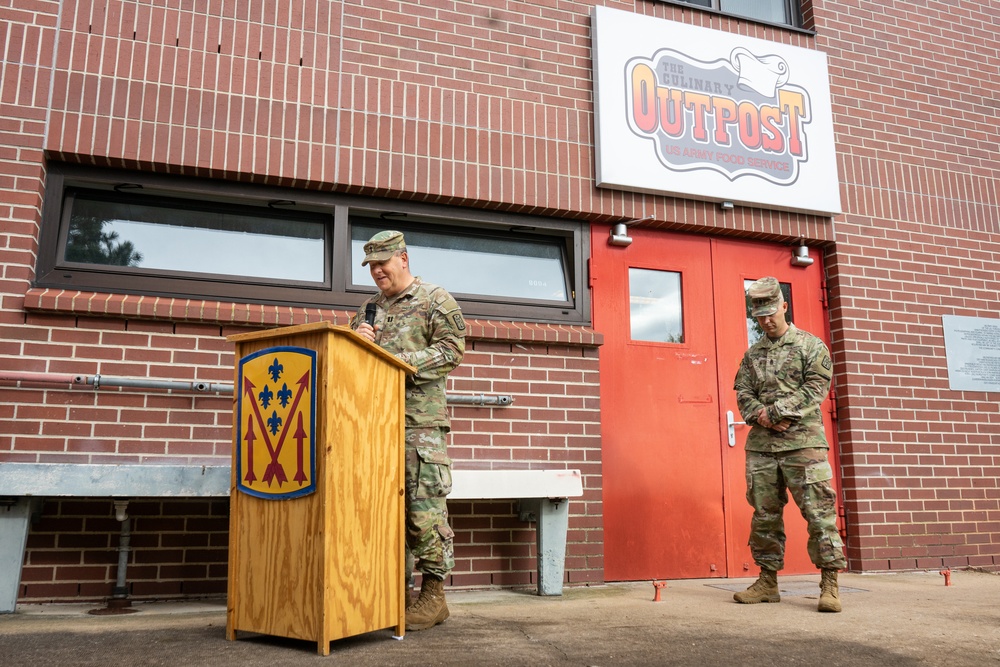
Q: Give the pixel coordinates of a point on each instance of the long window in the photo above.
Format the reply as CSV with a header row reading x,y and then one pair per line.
x,y
498,266
782,12
172,236
134,233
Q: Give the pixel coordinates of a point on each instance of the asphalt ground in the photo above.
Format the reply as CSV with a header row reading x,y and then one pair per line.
x,y
904,619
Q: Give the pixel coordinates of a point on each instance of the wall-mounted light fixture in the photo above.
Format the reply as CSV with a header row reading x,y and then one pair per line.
x,y
800,256
619,231
619,235
726,205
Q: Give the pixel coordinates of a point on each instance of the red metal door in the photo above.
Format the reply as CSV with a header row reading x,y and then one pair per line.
x,y
737,264
659,409
672,311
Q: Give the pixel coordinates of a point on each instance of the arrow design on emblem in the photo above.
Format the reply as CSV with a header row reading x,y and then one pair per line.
x,y
274,469
269,472
250,437
274,466
300,436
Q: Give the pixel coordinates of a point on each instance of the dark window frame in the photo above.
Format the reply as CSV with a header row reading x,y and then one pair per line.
x,y
794,8
336,292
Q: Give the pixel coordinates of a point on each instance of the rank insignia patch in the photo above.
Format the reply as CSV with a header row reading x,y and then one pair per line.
x,y
276,423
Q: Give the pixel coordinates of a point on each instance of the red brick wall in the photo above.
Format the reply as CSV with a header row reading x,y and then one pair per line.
x,y
482,104
59,424
178,548
914,87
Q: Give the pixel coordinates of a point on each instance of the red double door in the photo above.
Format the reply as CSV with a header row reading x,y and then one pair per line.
x,y
672,309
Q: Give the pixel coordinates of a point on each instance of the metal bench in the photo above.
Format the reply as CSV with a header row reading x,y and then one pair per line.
x,y
542,494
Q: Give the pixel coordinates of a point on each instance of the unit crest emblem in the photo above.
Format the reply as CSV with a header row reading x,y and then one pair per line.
x,y
276,423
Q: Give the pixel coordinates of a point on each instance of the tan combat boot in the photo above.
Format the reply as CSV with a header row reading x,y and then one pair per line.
x,y
765,589
829,596
430,608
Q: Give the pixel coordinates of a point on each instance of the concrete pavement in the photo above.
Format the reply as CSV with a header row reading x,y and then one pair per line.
x,y
888,620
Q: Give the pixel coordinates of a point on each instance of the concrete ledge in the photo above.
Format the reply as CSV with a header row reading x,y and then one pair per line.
x,y
53,480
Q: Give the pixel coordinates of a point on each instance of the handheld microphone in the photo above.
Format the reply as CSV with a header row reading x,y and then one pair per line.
x,y
370,314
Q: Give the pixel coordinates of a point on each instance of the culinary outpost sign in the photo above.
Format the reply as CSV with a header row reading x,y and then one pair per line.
x,y
698,113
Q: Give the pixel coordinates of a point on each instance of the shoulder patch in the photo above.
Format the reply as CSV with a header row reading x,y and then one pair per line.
x,y
827,364
457,320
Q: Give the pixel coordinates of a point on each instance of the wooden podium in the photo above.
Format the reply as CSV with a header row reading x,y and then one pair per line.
x,y
316,530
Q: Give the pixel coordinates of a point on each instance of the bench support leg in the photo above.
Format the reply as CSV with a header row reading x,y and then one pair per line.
x,y
552,523
15,519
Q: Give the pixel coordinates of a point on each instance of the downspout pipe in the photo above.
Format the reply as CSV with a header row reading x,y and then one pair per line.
x,y
119,596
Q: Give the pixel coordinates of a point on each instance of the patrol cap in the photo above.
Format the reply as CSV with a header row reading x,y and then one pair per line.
x,y
765,297
382,246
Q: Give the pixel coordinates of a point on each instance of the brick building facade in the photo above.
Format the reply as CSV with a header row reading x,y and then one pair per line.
x,y
482,112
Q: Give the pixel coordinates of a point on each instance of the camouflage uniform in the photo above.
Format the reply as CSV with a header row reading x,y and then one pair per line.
x,y
789,376
423,326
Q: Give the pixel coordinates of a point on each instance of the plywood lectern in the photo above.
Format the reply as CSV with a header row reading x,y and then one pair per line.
x,y
316,543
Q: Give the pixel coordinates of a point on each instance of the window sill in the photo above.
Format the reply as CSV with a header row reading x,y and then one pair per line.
x,y
96,304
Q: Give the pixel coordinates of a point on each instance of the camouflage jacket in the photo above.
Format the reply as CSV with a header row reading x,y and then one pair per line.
x,y
423,326
790,377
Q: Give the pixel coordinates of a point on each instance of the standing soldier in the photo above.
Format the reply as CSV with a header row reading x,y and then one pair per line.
x,y
780,385
422,325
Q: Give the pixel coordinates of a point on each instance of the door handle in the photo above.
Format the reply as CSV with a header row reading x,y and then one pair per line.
x,y
731,425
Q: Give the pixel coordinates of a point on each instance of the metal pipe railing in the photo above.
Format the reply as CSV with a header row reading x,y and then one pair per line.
x,y
99,381
481,399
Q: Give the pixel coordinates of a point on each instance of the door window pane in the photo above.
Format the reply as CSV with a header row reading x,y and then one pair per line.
x,y
484,265
754,332
655,306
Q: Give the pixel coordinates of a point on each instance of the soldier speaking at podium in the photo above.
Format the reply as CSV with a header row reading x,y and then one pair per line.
x,y
423,326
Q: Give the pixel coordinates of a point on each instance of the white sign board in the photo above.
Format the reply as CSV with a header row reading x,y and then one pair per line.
x,y
972,345
691,112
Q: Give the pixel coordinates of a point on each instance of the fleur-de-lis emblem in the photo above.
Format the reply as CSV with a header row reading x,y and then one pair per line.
x,y
274,422
265,396
275,370
284,395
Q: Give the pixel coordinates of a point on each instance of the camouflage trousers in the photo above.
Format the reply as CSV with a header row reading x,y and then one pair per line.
x,y
807,474
429,538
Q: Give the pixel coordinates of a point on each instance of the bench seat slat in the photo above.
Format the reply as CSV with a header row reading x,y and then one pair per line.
x,y
497,484
183,481
86,480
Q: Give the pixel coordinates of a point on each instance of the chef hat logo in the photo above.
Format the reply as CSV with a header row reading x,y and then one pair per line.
x,y
764,74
